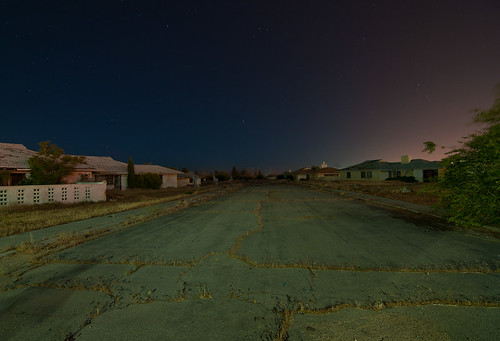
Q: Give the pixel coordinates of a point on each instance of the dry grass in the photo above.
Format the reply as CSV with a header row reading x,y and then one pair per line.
x,y
419,193
22,218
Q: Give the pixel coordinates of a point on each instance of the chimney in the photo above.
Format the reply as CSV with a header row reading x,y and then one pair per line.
x,y
405,159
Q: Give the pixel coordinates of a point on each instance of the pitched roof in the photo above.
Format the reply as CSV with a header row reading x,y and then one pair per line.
x,y
379,164
14,155
141,169
307,170
328,170
104,164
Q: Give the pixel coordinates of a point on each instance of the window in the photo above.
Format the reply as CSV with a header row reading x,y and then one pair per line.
x,y
76,193
369,174
363,175
348,175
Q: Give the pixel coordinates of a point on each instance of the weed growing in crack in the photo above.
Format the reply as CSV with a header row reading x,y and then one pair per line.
x,y
203,293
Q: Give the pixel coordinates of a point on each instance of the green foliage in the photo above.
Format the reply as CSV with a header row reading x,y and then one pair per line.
x,y
471,182
222,176
4,177
403,178
245,174
286,176
260,176
235,174
50,165
430,147
148,180
131,173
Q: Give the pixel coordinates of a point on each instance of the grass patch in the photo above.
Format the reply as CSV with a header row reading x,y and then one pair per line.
x,y
18,219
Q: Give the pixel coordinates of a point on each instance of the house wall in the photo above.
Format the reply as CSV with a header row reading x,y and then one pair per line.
x,y
377,175
77,176
181,182
123,182
329,178
300,177
40,194
169,180
418,174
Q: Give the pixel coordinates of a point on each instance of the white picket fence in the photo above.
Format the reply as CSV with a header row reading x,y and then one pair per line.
x,y
40,194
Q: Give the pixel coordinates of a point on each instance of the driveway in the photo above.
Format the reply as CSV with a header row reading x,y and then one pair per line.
x,y
261,263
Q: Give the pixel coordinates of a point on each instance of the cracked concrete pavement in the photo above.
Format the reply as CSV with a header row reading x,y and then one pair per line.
x,y
261,263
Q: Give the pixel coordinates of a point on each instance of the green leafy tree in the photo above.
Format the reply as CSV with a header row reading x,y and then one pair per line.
x,y
244,174
50,165
4,178
131,173
260,176
235,174
222,176
471,181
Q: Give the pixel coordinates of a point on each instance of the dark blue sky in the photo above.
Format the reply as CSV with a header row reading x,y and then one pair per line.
x,y
264,84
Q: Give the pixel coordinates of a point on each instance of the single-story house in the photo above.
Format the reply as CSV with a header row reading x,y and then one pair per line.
x,y
14,168
14,163
321,173
168,176
377,170
105,168
188,179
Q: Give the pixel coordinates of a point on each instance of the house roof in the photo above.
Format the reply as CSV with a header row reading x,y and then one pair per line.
x,y
14,155
328,170
104,164
189,175
141,169
379,164
307,170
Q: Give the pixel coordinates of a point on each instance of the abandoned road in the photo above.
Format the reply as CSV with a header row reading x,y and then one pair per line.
x,y
264,262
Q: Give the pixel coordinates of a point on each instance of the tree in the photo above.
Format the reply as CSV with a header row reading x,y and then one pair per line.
x,y
131,173
234,173
260,176
50,165
471,182
222,176
244,174
184,170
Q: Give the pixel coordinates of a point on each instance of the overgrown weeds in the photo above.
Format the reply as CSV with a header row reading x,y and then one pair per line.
x,y
18,219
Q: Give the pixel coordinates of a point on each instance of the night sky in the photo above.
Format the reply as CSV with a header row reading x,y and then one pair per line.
x,y
270,85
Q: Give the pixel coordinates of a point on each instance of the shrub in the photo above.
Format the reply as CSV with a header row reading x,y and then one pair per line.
x,y
148,180
403,178
471,181
131,178
222,176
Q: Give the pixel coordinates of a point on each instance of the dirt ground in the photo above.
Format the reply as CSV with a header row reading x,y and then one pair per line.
x,y
419,193
265,262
